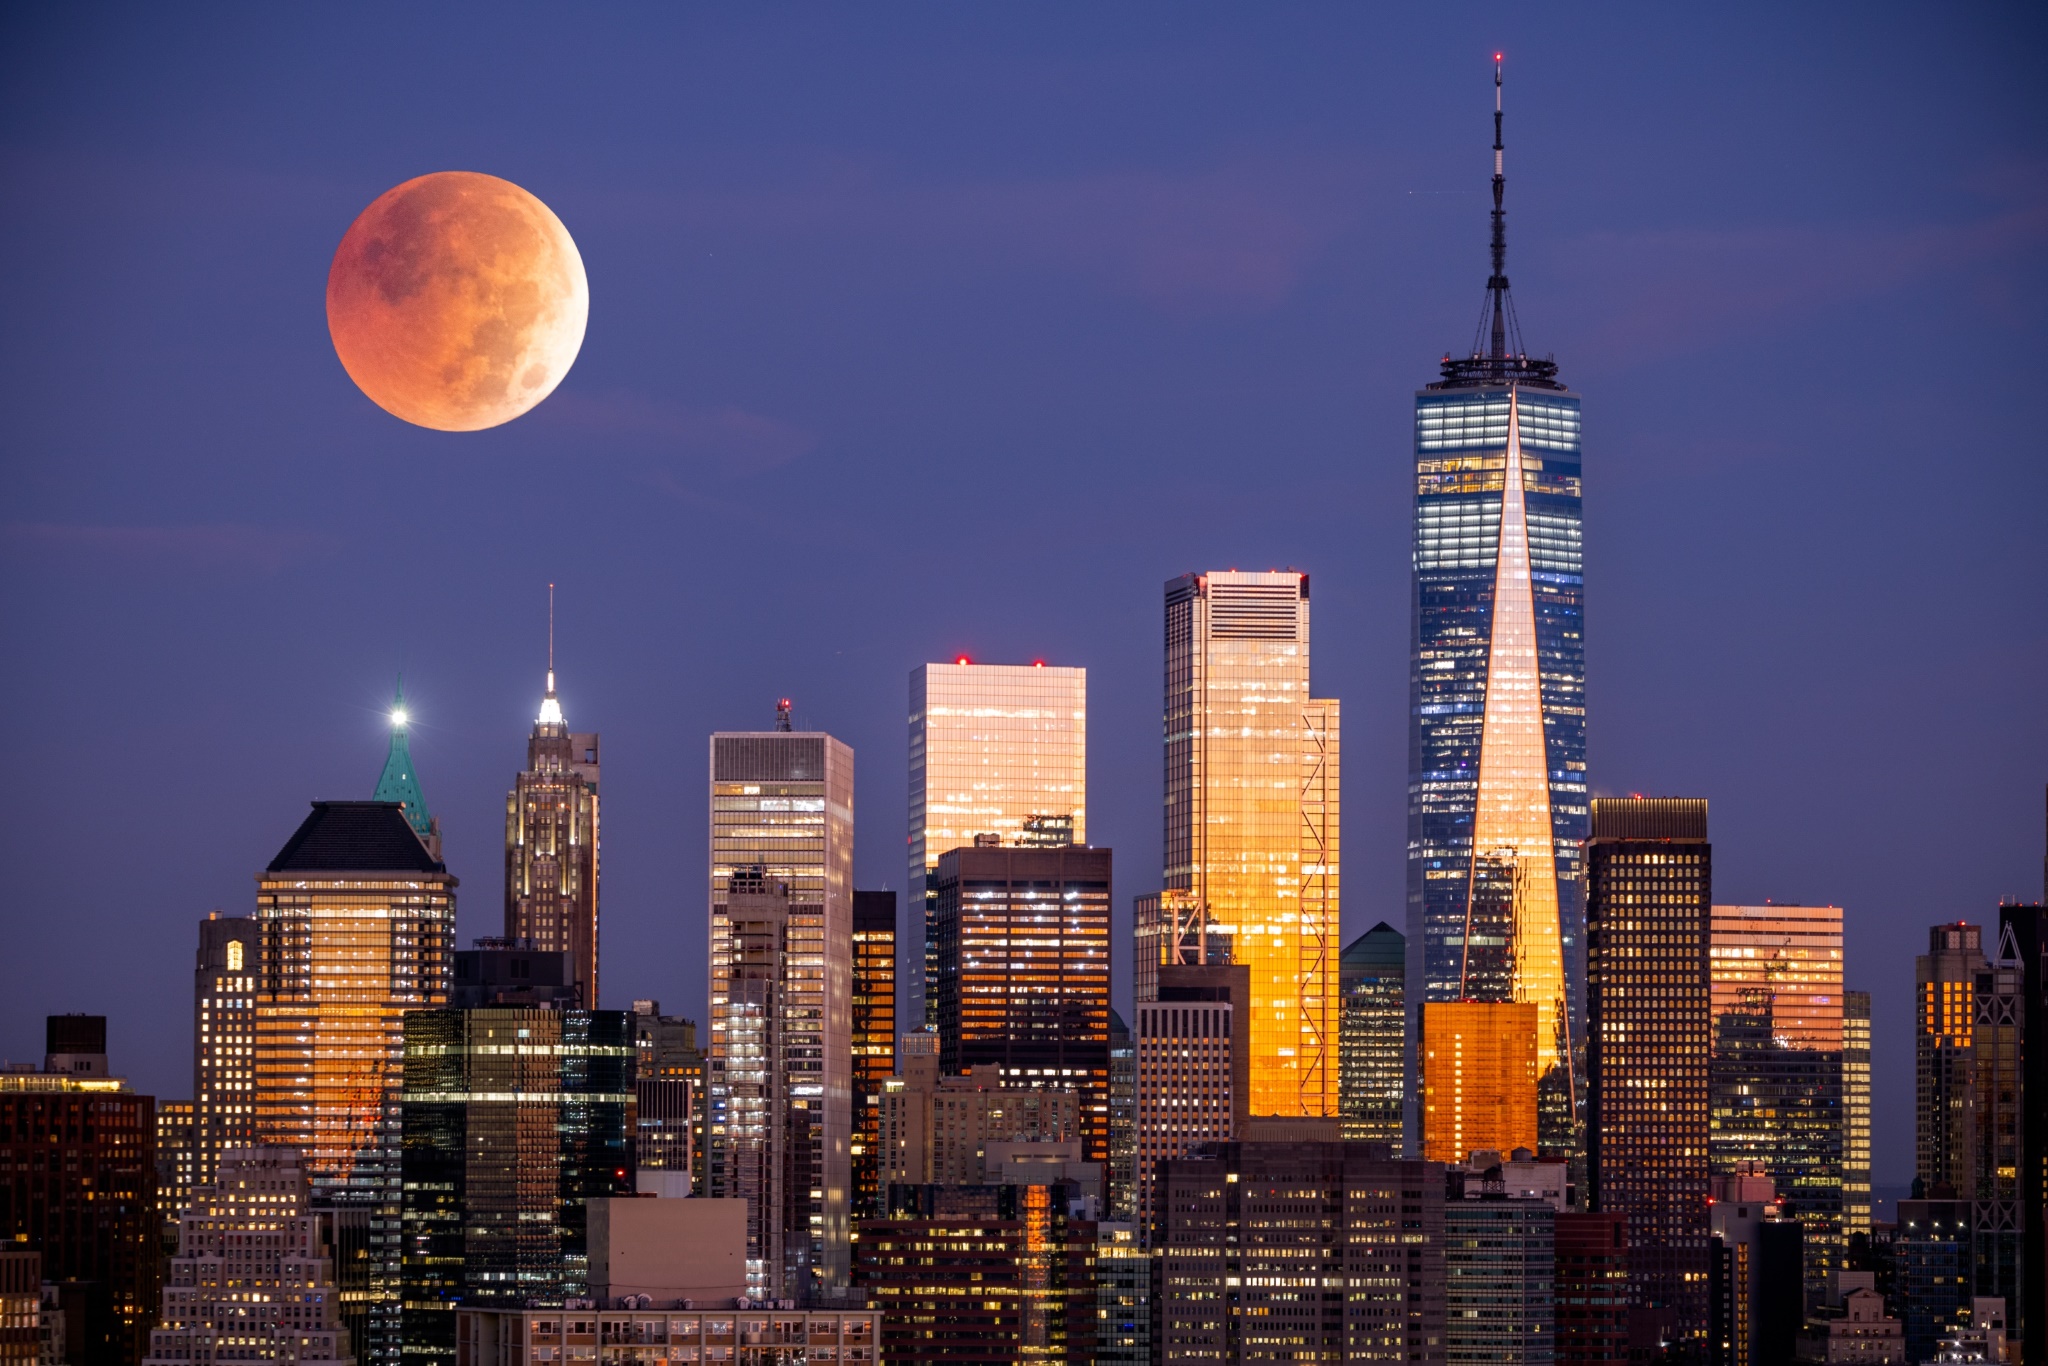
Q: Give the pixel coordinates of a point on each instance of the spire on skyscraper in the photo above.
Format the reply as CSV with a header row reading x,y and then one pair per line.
x,y
1497,355
397,783
550,706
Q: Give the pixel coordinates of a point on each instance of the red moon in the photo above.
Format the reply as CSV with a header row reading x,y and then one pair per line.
x,y
457,301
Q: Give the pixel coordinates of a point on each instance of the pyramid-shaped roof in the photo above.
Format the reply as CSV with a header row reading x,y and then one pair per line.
x,y
355,837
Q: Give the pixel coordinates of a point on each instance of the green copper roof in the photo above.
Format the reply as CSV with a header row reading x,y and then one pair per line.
x,y
398,784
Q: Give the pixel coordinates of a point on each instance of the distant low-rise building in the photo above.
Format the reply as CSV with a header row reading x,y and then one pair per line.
x,y
1854,1327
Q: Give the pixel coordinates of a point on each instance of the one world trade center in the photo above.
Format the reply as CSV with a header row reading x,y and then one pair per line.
x,y
1497,798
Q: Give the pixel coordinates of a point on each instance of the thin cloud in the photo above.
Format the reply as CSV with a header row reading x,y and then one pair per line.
x,y
739,441
219,545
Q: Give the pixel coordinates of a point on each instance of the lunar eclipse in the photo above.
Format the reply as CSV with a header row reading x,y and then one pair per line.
x,y
457,301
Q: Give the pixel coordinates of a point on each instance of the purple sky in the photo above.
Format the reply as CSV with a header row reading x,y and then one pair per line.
x,y
928,329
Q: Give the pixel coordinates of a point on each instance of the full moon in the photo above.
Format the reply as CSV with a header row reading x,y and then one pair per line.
x,y
457,301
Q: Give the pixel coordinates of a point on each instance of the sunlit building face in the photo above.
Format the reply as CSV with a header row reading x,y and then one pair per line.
x,y
1251,838
991,747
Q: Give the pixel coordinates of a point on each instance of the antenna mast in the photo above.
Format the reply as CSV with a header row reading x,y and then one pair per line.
x,y
1497,285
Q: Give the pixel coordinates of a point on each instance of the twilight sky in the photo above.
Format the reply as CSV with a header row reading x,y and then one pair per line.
x,y
925,329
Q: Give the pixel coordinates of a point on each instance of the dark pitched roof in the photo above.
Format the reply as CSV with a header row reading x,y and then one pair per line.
x,y
355,837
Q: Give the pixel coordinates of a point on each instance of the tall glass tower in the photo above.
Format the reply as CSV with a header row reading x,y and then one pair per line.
x,y
1497,692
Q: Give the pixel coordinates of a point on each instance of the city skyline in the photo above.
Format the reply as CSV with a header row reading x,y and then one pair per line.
x,y
1201,306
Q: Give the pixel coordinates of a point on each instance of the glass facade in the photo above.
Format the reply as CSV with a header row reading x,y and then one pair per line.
x,y
1775,1077
1374,1040
1497,797
1649,890
514,1117
1944,1054
551,846
991,747
1479,1074
1252,848
1123,1122
874,1034
782,804
1499,1276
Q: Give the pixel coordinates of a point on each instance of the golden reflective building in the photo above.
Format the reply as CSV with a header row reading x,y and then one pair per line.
x,y
1479,1061
996,751
357,926
1774,1087
1251,840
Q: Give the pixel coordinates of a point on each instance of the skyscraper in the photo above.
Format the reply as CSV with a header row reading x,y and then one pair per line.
x,y
670,1087
1944,1060
1774,1080
1023,952
1649,890
1855,1113
1120,1206
357,923
991,747
223,1041
1193,1070
551,841
80,1148
782,814
253,1278
1278,1216
874,1034
1252,820
1497,730
1374,1044
514,1119
2023,948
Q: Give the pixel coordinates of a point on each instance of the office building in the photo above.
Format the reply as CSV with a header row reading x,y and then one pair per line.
x,y
175,1160
2023,947
357,926
399,783
1754,1292
782,817
551,841
1649,892
223,1041
1497,809
1023,961
981,1273
1193,1070
1997,1100
1373,1038
1932,1284
997,752
1774,1079
1286,1211
514,1119
939,1130
253,1279
1500,1269
1944,1061
1252,833
1855,1113
82,1151
668,1283
1122,1198
1479,1077
1981,1336
874,1035
669,1085
780,1130
1591,1295
1123,1297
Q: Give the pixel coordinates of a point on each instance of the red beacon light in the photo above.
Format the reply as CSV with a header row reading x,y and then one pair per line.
x,y
963,660
1038,664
